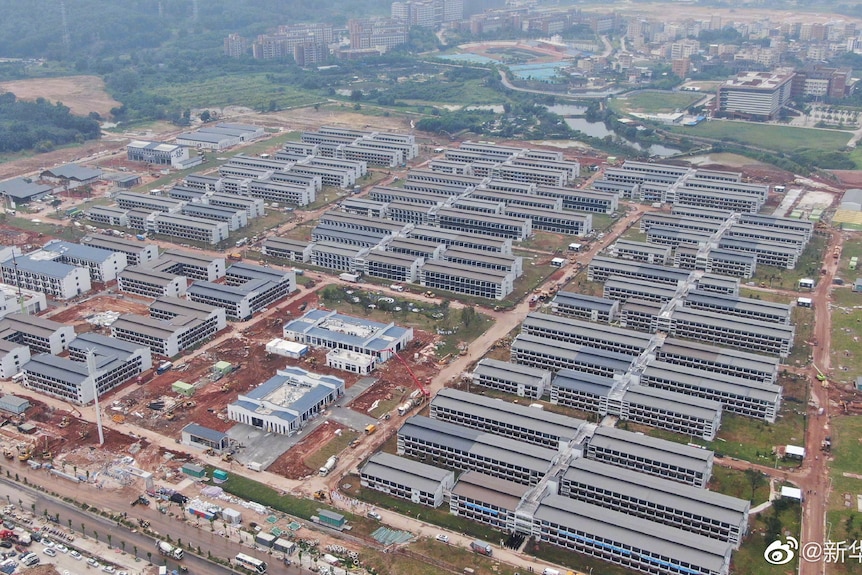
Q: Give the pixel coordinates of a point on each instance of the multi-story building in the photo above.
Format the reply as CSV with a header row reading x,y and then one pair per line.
x,y
453,446
40,334
161,154
192,324
674,461
115,362
235,46
39,271
754,95
700,511
737,395
598,336
381,33
634,543
286,248
103,265
191,228
191,265
719,360
520,380
575,305
641,252
487,499
554,355
736,332
235,219
520,422
137,252
402,477
466,279
151,283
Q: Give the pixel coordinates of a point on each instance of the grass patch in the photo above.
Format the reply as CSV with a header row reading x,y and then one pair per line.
x,y
251,90
654,102
749,484
852,247
440,516
333,447
845,297
802,319
754,439
787,139
765,295
846,358
580,563
783,517
808,266
252,490
843,519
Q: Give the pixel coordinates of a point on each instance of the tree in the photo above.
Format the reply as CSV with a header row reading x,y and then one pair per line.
x,y
355,95
149,556
316,107
135,547
468,316
205,116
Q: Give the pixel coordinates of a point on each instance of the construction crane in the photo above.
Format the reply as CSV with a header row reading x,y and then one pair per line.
x,y
425,393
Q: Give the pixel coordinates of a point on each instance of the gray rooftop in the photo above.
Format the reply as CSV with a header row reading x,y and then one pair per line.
x,y
566,298
78,251
512,414
509,371
405,471
653,448
727,385
73,172
446,268
573,329
665,401
581,354
616,528
489,489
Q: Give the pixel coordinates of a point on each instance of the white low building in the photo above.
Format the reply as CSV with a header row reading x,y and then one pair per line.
x,y
351,361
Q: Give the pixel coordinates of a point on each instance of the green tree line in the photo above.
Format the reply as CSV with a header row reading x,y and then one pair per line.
x,y
41,125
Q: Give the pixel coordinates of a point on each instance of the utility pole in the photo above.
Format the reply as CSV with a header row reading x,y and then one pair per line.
x,y
91,370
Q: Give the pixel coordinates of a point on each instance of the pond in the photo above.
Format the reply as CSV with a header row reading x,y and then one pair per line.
x,y
599,130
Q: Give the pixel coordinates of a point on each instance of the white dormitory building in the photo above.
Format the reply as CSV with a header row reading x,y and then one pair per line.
x,y
161,154
103,265
402,477
151,283
137,252
174,325
41,272
116,362
247,290
287,402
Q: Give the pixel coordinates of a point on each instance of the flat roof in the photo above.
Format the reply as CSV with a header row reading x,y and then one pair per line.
x,y
116,244
147,275
78,251
590,383
31,324
73,172
636,533
182,306
513,414
661,273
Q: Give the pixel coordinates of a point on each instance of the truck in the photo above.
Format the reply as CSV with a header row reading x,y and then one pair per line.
x,y
349,277
369,429
241,242
397,287
234,257
405,407
482,548
329,466
166,366
140,237
169,550
254,466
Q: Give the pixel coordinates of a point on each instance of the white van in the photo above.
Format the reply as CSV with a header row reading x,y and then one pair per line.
x,y
549,571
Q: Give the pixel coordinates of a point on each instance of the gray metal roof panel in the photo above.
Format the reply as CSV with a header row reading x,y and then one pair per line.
x,y
510,371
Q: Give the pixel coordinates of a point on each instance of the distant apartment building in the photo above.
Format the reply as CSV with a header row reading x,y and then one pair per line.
x,y
754,95
235,46
381,33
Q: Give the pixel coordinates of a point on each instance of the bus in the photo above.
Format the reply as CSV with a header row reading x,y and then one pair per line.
x,y
251,563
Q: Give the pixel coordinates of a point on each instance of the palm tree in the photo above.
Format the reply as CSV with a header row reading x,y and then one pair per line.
x,y
109,539
96,535
136,551
123,545
70,524
149,557
83,529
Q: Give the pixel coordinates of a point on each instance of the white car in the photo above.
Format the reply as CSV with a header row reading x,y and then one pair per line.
x,y
92,562
49,552
442,538
75,555
61,548
109,569
47,543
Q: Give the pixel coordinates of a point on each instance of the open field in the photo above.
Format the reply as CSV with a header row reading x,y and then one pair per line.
x,y
808,266
771,137
803,319
852,247
846,354
82,94
785,518
842,515
654,101
251,90
750,484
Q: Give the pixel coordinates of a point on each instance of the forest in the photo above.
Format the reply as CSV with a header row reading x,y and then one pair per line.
x,y
40,125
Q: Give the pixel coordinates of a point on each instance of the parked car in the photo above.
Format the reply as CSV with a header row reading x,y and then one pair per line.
x,y
442,538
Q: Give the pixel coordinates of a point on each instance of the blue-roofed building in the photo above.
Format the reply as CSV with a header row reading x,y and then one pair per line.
x,y
40,271
287,401
324,328
103,265
195,435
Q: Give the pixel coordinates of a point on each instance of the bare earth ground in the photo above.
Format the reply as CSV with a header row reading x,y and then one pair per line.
x,y
83,94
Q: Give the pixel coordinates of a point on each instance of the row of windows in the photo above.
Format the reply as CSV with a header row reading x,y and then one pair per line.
x,y
465,460
730,309
730,402
495,426
398,490
647,465
737,370
544,360
738,338
487,228
653,511
600,340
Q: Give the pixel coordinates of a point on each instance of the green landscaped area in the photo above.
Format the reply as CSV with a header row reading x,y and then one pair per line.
x,y
783,518
768,136
432,556
440,516
754,439
843,517
749,484
802,319
845,349
654,102
581,563
852,247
